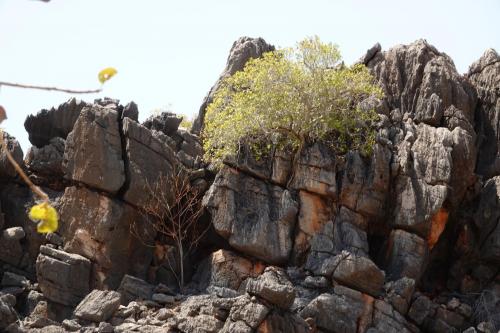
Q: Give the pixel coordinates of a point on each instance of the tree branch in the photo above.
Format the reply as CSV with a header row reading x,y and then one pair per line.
x,y
69,91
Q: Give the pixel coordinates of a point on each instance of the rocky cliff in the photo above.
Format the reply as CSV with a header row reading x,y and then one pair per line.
x,y
404,240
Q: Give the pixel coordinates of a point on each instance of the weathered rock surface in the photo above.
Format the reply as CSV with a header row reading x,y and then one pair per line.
x,y
48,124
487,219
98,306
345,310
406,255
255,217
148,157
93,152
165,122
405,239
132,288
48,160
273,286
63,277
485,76
242,50
104,230
224,269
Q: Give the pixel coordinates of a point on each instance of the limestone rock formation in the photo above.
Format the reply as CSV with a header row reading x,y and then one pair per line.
x,y
405,239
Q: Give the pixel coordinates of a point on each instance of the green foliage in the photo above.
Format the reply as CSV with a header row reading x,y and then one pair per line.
x,y
186,122
291,97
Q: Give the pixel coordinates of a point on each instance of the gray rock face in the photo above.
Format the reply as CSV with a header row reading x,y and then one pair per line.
x,y
165,122
406,255
93,153
98,306
48,160
6,168
315,171
148,157
255,217
485,76
273,286
242,50
487,219
63,277
48,124
99,228
365,186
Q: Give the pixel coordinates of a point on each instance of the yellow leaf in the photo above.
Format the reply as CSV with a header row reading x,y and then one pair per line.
x,y
106,74
47,218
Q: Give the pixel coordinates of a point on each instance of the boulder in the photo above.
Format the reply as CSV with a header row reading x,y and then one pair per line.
x,y
273,286
344,310
244,49
359,273
93,152
11,251
165,122
406,255
249,311
399,294
107,231
485,76
63,277
255,217
48,124
132,288
386,319
98,306
225,269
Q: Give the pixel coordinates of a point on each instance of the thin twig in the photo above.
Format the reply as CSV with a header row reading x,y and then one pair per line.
x,y
20,171
69,91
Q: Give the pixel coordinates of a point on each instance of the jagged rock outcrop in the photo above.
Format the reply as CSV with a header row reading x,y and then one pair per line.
x,y
404,239
53,123
485,76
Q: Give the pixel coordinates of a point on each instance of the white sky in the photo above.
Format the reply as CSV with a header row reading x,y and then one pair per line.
x,y
171,52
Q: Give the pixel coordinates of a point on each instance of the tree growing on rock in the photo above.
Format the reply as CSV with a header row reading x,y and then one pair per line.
x,y
292,97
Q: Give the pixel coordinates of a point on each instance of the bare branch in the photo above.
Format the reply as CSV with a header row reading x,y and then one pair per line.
x,y
69,91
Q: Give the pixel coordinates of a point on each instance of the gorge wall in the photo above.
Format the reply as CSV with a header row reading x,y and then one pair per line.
x,y
405,240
